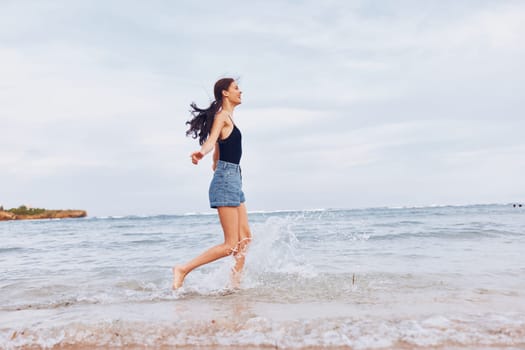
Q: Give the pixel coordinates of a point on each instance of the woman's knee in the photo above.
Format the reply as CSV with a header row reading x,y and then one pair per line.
x,y
230,248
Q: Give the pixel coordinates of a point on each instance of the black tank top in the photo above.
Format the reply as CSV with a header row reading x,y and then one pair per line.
x,y
230,149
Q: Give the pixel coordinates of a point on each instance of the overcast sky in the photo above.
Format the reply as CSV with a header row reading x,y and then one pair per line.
x,y
346,104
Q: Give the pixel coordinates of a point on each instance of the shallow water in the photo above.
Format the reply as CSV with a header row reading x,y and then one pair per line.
x,y
435,277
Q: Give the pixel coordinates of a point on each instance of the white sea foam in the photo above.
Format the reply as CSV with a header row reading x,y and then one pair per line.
x,y
246,330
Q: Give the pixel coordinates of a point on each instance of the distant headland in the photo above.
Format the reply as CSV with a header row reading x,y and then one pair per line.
x,y
25,213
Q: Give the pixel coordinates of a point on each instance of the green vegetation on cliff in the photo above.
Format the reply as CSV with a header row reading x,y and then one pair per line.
x,y
23,210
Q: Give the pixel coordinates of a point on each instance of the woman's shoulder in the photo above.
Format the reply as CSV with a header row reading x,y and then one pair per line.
x,y
222,116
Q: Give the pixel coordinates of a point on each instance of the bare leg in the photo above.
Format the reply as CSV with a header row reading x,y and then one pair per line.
x,y
229,218
244,239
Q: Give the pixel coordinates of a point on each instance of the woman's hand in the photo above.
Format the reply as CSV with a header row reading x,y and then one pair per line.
x,y
214,166
196,156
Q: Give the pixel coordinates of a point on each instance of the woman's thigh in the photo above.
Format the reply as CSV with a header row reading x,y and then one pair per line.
x,y
229,217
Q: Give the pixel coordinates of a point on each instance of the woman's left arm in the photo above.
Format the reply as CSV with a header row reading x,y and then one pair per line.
x,y
216,128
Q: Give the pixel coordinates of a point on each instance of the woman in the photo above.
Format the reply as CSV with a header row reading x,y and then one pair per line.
x,y
216,130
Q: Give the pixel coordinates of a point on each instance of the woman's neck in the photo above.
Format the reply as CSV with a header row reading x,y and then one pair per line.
x,y
228,107
229,111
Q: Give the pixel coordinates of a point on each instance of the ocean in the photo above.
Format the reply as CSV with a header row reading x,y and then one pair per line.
x,y
443,277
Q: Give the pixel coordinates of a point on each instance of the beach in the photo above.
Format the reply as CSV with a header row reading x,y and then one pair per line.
x,y
440,277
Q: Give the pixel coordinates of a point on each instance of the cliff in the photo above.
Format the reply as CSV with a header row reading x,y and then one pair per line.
x,y
44,214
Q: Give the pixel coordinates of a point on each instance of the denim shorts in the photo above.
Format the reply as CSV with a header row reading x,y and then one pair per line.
x,y
226,186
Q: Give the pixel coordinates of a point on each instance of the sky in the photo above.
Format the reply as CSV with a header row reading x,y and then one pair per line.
x,y
346,104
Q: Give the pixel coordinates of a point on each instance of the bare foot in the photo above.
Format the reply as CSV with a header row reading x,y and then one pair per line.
x,y
236,279
178,276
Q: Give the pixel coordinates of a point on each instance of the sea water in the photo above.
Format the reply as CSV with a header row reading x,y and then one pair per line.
x,y
447,277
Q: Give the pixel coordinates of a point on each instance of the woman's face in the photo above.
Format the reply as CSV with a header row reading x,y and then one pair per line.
x,y
234,94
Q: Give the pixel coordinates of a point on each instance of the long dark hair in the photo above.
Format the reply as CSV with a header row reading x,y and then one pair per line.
x,y
200,124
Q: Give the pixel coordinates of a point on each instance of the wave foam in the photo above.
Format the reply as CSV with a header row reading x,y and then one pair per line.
x,y
435,332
